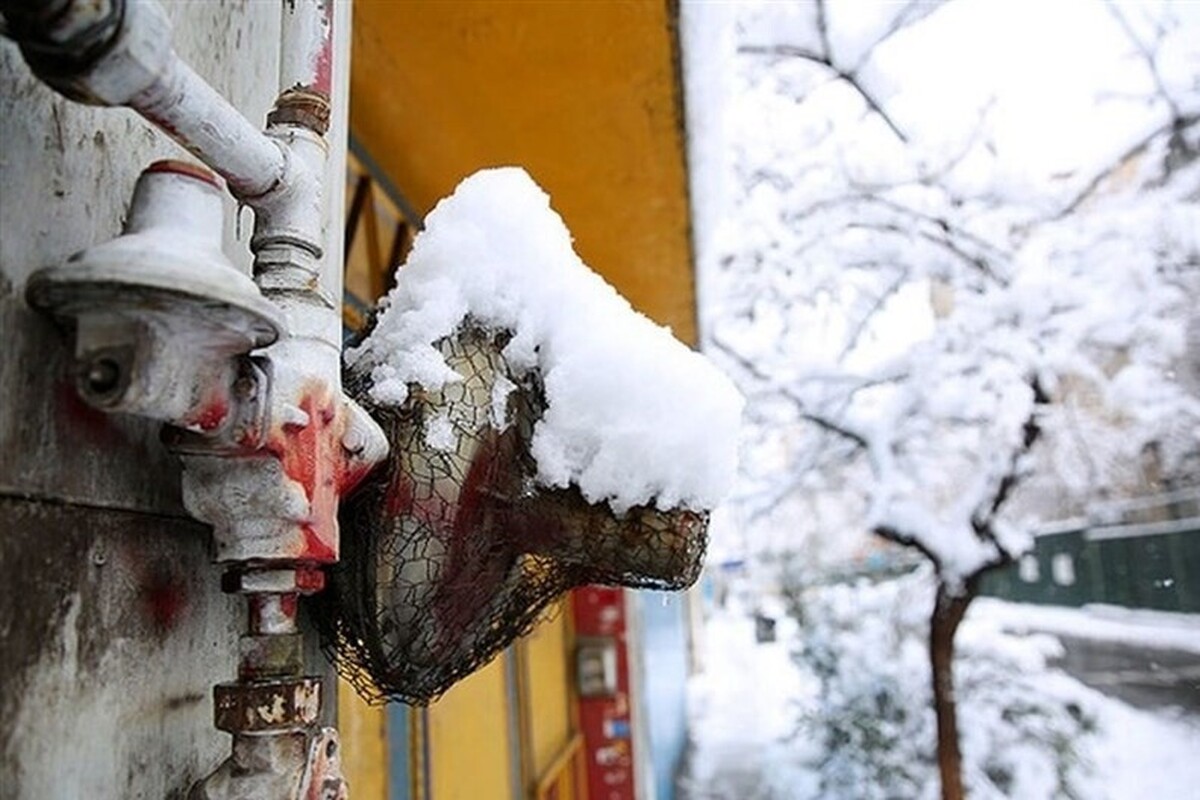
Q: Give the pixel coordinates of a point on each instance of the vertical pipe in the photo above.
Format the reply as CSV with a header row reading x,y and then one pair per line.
x,y
314,58
272,614
338,81
306,54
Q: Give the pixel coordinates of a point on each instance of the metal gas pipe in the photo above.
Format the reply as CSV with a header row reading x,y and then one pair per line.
x,y
268,440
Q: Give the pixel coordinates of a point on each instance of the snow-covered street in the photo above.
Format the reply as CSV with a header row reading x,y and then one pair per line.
x,y
748,707
1149,659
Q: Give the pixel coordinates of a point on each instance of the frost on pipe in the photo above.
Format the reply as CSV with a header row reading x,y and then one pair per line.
x,y
507,486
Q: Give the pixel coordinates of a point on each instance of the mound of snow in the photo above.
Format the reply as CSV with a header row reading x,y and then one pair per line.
x,y
633,415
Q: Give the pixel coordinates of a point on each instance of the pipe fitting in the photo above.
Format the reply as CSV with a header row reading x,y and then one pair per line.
x,y
289,225
291,766
165,327
283,705
63,39
101,53
119,53
303,107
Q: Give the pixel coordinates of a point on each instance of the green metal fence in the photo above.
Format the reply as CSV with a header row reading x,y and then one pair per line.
x,y
1139,565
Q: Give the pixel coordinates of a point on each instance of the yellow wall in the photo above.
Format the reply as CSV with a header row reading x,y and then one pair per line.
x,y
363,731
469,742
585,95
547,694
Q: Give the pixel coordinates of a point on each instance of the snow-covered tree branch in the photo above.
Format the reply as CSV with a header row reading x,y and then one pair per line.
x,y
966,327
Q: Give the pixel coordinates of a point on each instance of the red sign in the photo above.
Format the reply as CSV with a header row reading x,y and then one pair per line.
x,y
607,733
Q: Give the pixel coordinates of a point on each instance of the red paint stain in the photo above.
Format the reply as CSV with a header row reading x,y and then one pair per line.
x,y
249,437
310,579
95,425
323,79
290,603
313,457
186,168
401,495
165,600
352,476
473,573
210,415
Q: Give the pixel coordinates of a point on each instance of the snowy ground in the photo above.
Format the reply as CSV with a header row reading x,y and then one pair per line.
x,y
746,704
1159,629
744,708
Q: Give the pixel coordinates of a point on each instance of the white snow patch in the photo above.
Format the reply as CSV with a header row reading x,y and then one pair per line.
x,y
634,416
1143,627
501,389
744,708
439,433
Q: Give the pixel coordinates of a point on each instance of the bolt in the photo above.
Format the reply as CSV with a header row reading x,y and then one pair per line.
x,y
243,387
354,441
330,748
99,558
102,376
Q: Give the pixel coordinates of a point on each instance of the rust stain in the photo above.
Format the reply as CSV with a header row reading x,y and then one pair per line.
x,y
164,599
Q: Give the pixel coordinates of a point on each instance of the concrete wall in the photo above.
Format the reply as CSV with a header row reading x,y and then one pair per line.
x,y
112,626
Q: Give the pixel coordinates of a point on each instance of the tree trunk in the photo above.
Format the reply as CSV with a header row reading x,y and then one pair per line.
x,y
948,612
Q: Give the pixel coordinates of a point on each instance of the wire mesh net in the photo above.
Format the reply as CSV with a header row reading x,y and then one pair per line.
x,y
449,550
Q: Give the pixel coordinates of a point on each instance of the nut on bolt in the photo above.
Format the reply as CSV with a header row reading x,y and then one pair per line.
x,y
267,707
302,107
102,376
285,580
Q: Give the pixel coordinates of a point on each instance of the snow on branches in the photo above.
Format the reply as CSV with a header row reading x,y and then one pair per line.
x,y
935,310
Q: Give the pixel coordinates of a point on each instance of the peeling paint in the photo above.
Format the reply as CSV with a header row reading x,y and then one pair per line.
x,y
113,626
99,699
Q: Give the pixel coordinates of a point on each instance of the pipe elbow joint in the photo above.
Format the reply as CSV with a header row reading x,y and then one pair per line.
x,y
101,53
290,213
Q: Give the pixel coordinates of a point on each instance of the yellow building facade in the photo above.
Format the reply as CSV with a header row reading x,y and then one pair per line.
x,y
586,96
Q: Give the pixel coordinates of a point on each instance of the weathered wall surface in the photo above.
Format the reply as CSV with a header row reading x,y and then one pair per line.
x,y
112,626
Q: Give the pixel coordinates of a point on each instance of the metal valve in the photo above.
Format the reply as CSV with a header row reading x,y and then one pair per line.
x,y
162,321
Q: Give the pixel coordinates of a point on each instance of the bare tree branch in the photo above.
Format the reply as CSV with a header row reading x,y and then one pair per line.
x,y
821,421
850,77
893,534
877,304
943,241
913,12
839,429
1148,55
876,196
1172,127
984,519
